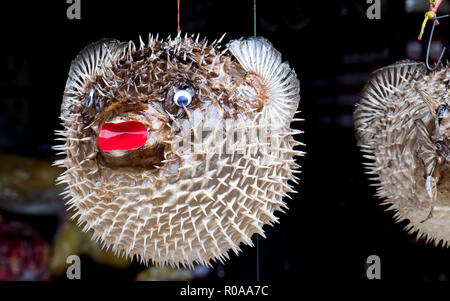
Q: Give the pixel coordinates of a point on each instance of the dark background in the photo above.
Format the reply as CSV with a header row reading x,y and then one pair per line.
x,y
334,222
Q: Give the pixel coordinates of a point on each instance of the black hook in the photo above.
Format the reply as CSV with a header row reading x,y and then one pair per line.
x,y
429,46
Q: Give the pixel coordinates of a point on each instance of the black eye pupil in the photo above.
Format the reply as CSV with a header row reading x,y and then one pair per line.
x,y
442,109
183,100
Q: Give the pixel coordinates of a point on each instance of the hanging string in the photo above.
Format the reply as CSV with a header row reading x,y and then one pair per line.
x,y
257,236
178,16
254,18
257,257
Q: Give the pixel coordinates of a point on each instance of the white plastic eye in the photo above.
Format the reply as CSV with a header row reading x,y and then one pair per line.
x,y
182,98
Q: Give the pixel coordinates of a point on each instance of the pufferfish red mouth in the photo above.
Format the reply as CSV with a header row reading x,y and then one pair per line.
x,y
123,136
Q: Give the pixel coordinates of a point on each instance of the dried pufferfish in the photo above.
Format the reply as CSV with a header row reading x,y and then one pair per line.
x,y
402,121
127,113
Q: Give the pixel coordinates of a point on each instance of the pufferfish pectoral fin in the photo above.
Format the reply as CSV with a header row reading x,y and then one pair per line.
x,y
86,67
257,56
377,95
86,64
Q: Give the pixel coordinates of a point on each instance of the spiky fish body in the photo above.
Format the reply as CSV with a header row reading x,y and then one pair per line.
x,y
401,122
202,183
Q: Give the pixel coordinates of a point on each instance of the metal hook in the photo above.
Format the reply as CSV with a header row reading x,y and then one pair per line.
x,y
429,46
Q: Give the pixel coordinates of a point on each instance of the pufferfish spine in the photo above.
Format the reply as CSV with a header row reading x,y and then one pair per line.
x,y
217,155
402,124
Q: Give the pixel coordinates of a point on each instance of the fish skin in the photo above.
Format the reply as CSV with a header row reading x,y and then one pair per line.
x,y
173,202
406,140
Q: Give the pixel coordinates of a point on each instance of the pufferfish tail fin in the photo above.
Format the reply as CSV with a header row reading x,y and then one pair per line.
x,y
85,67
377,94
257,55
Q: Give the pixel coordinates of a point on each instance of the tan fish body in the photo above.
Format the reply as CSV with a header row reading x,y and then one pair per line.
x,y
403,125
202,183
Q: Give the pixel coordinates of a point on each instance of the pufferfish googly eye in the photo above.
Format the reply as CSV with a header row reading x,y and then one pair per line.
x,y
442,111
182,98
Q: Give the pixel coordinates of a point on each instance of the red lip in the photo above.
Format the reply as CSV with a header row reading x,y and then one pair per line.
x,y
126,135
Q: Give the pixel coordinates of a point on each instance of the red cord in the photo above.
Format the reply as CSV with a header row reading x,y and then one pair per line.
x,y
434,10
